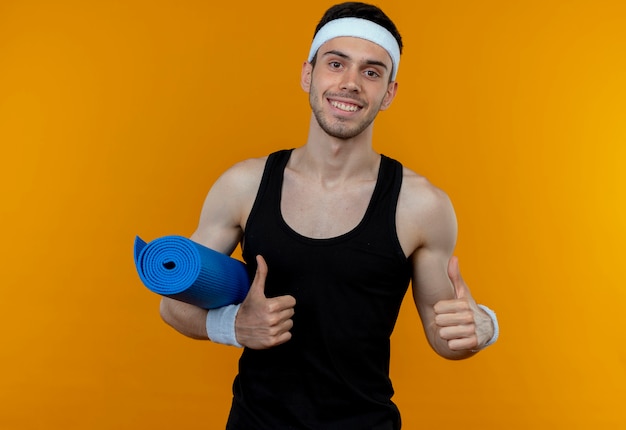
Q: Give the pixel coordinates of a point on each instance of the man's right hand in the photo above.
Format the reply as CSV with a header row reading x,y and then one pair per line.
x,y
263,323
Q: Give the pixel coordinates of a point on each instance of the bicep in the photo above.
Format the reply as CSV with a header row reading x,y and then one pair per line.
x,y
218,227
430,281
227,206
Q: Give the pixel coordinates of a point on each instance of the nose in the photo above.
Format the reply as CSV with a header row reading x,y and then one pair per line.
x,y
351,80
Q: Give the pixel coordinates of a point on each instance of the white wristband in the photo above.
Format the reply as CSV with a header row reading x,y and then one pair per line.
x,y
220,325
496,328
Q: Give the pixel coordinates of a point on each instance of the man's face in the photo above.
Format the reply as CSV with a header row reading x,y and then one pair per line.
x,y
349,85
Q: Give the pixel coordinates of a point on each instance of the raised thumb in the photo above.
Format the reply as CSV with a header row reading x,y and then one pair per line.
x,y
454,274
258,283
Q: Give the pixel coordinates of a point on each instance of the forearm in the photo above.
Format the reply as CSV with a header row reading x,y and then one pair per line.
x,y
187,319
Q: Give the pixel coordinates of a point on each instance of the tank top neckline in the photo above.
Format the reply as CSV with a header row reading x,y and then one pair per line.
x,y
343,236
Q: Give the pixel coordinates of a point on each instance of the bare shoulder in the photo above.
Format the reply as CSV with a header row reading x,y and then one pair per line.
x,y
228,204
236,188
425,213
419,196
243,175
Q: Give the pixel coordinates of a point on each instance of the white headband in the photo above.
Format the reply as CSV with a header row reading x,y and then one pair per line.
x,y
363,29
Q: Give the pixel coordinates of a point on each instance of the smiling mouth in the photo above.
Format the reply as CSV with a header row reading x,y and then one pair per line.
x,y
346,107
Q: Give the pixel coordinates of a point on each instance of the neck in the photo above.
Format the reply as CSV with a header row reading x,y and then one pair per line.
x,y
330,159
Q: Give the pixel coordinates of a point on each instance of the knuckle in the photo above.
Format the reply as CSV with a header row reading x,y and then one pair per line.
x,y
266,344
468,317
473,343
457,345
270,307
273,320
468,331
439,320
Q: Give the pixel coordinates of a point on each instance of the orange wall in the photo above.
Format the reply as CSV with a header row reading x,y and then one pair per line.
x,y
116,116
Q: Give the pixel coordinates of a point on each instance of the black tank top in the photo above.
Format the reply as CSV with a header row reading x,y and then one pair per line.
x,y
334,372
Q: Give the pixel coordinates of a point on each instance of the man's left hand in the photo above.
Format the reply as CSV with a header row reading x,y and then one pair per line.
x,y
460,322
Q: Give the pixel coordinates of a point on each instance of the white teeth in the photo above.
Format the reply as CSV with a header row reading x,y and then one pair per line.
x,y
345,107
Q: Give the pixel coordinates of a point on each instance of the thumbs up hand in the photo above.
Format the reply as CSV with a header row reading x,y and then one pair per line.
x,y
460,322
262,323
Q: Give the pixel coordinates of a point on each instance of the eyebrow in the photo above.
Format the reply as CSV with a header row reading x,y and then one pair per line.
x,y
347,57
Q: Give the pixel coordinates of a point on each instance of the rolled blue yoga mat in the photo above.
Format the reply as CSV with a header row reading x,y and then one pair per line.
x,y
177,267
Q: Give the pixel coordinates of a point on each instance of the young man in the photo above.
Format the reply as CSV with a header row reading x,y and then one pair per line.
x,y
333,233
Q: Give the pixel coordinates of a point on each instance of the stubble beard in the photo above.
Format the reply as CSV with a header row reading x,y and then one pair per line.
x,y
338,127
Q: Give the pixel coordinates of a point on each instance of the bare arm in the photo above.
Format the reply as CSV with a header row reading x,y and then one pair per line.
x,y
220,228
260,322
454,325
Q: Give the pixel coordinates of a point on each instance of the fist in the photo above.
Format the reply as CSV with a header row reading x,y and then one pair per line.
x,y
460,322
263,322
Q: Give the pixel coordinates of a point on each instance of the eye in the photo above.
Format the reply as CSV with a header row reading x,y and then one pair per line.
x,y
335,65
372,74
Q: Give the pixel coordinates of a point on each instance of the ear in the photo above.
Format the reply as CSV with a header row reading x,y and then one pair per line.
x,y
305,77
392,89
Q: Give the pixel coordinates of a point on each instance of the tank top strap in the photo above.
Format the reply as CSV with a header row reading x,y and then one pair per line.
x,y
390,180
381,214
271,181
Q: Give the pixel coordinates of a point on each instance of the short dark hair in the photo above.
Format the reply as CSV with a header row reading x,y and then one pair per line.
x,y
360,10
